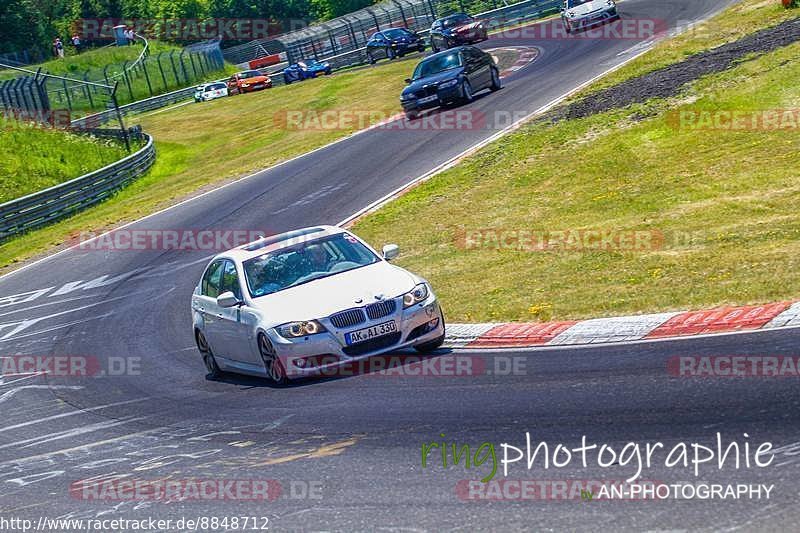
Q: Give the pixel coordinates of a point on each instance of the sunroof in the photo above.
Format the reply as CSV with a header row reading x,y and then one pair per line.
x,y
267,241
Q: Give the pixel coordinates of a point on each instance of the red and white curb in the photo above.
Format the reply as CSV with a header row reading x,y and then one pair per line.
x,y
625,328
526,56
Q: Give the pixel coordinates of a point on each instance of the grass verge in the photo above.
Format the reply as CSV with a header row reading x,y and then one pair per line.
x,y
34,158
200,145
724,203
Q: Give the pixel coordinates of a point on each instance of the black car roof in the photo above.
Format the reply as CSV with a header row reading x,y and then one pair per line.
x,y
454,15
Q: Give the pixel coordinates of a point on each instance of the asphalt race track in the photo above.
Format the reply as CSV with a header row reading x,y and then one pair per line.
x,y
346,451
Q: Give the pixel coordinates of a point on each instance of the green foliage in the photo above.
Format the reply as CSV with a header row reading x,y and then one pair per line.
x,y
33,24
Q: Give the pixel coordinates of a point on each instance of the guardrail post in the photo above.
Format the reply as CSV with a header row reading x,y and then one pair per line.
x,y
105,74
375,18
433,11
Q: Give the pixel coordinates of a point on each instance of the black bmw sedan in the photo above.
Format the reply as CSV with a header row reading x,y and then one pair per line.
x,y
454,75
394,42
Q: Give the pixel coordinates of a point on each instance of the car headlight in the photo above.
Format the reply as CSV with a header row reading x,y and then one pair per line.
x,y
292,330
571,14
406,97
448,83
417,295
245,85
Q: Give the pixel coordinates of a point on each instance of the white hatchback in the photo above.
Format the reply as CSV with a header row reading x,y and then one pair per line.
x,y
210,91
299,303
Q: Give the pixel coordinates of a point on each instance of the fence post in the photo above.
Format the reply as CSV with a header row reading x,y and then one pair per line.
x,y
174,70
66,94
88,89
127,79
402,12
119,117
183,66
147,76
163,76
194,68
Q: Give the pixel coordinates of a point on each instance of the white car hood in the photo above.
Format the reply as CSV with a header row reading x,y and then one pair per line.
x,y
588,7
323,297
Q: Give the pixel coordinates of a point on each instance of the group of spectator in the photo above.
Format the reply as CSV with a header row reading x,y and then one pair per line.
x,y
58,45
75,40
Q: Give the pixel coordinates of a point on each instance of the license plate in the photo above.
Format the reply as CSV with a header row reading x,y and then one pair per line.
x,y
427,99
361,335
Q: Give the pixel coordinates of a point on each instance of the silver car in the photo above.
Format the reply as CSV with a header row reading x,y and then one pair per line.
x,y
581,14
299,303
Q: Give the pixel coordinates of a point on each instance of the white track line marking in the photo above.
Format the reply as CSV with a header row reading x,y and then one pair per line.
x,y
71,413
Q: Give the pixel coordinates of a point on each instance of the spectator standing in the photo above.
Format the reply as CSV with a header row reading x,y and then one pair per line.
x,y
76,42
59,48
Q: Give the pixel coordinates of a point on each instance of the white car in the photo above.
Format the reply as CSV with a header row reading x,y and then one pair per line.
x,y
302,302
209,91
581,14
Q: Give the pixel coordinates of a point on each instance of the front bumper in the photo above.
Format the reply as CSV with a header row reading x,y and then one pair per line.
x,y
592,19
418,324
443,96
405,48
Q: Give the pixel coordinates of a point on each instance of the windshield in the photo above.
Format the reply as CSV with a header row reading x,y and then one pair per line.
x,y
456,20
307,62
437,64
249,74
395,33
576,3
304,262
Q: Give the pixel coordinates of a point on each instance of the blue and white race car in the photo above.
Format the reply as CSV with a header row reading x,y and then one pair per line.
x,y
304,69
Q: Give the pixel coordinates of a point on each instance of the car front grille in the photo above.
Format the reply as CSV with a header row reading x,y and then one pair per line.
x,y
371,345
346,319
428,90
381,309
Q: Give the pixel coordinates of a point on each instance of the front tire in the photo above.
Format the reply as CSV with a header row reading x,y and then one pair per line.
x,y
466,92
272,363
208,356
433,345
412,115
496,83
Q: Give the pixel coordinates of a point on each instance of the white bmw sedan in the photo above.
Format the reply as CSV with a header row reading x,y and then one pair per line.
x,y
301,302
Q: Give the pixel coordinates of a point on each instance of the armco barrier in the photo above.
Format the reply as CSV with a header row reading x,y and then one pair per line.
x,y
43,207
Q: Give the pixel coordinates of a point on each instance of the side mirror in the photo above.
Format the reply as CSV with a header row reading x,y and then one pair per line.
x,y
227,299
408,81
391,251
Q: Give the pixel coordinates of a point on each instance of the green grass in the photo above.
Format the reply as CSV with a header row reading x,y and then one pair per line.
x,y
725,202
200,145
34,158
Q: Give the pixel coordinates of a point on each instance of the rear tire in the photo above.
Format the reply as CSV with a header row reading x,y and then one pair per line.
x,y
412,115
370,59
390,53
208,356
272,363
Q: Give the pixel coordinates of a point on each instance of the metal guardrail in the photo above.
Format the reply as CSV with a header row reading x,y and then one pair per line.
x,y
42,207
